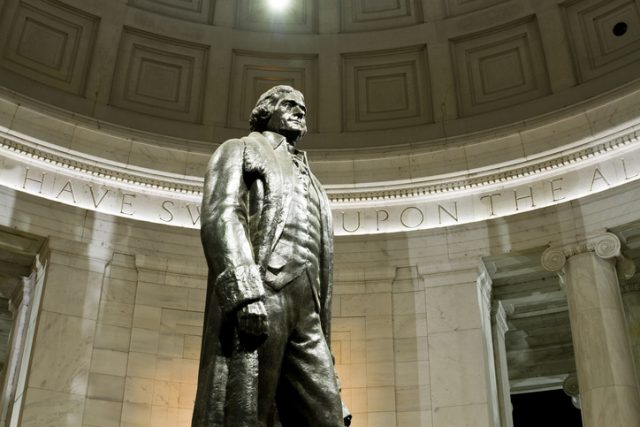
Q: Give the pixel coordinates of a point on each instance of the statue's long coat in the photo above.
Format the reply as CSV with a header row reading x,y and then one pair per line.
x,y
246,199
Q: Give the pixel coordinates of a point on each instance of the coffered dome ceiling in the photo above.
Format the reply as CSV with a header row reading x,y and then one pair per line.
x,y
374,72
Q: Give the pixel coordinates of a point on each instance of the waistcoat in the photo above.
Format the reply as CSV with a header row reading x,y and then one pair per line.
x,y
298,248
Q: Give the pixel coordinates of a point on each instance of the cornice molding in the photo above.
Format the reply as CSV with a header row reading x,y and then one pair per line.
x,y
75,164
418,189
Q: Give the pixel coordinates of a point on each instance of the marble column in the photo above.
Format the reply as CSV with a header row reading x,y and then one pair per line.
x,y
500,328
631,300
608,390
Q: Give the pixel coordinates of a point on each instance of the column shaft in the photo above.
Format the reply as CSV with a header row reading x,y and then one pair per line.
x,y
631,300
608,390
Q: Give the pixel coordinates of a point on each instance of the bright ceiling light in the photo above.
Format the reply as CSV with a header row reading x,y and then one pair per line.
x,y
278,5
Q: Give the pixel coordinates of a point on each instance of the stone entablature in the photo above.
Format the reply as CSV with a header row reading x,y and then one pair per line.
x,y
109,172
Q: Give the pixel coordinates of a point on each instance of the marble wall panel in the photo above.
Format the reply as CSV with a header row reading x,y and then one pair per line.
x,y
8,111
50,42
370,15
166,159
92,143
189,10
62,354
386,89
42,126
112,337
500,67
44,408
467,416
160,76
258,15
112,342
452,307
253,73
162,296
73,291
604,35
414,419
381,419
414,398
459,7
102,413
146,317
109,362
105,387
457,370
380,170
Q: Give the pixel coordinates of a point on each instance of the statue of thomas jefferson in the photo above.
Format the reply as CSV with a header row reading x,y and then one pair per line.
x,y
268,240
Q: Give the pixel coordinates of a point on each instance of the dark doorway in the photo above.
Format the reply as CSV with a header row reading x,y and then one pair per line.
x,y
544,408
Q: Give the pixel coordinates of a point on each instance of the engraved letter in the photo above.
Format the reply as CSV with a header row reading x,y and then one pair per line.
x,y
402,218
93,197
597,175
194,220
490,197
345,228
165,207
128,203
626,174
378,218
442,209
517,199
554,189
26,178
67,188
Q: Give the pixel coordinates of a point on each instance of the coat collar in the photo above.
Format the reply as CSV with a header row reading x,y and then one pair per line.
x,y
277,141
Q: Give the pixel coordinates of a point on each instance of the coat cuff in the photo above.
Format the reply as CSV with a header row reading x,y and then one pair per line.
x,y
239,286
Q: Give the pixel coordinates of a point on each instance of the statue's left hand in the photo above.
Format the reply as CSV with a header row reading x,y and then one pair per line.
x,y
253,324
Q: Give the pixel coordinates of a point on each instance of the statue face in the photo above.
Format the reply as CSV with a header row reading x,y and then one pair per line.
x,y
289,117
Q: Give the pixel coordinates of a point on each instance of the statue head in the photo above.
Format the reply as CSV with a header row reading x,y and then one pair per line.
x,y
281,109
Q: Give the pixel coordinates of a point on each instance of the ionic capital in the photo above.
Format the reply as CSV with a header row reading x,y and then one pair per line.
x,y
605,245
571,388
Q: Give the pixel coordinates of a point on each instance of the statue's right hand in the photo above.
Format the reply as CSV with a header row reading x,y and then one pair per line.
x,y
253,323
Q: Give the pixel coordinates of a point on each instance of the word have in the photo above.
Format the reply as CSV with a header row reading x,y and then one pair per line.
x,y
113,201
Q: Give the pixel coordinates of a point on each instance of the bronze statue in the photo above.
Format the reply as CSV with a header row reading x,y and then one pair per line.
x,y
268,240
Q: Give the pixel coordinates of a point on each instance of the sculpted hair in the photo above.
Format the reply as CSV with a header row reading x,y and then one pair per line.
x,y
263,110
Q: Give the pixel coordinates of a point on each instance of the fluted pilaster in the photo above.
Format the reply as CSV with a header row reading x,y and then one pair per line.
x,y
500,327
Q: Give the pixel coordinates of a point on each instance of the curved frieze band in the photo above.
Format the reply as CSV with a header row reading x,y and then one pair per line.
x,y
44,170
568,177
